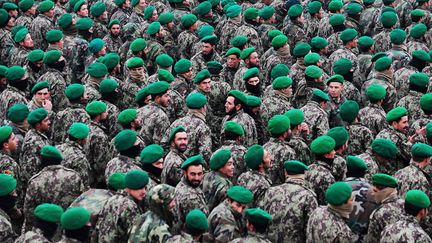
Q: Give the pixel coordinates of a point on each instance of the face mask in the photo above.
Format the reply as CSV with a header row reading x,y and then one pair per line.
x,y
8,202
254,89
59,65
34,67
349,76
20,84
152,169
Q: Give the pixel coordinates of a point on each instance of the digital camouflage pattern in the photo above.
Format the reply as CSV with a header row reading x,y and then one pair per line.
x,y
225,223
316,118
319,177
280,152
258,183
248,124
360,137
156,122
373,117
75,159
406,230
401,141
122,164
214,186
65,118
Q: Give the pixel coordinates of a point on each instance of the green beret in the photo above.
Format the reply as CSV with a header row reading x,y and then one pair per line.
x,y
378,55
348,35
295,116
314,7
196,101
251,13
384,180
182,66
151,154
127,116
35,55
211,39
368,2
418,31
214,3
125,139
279,70
39,86
53,36
429,130
79,130
10,6
337,19
318,42
78,5
240,194
159,87
113,22
417,13
419,80
148,11
335,78
295,10
48,212
320,94
397,36
119,2
214,67
65,20
258,217
97,70
281,82
5,133
219,159
141,95
250,73
188,20
96,107
421,150
273,33
254,156
240,96
233,11
74,91
239,41
36,116
45,6
322,145
339,134
20,35
279,41
355,163
335,5
75,218
174,131
3,69
233,51
4,16
229,4
205,30
267,12
97,9
51,151
301,49
8,184
417,198
84,23
396,113
349,111
311,59
194,160
164,75
338,193
117,181
164,60
421,55
201,76
247,52
196,220
388,19
166,18
203,8
15,73
135,62
384,148
137,45
134,3
111,60
313,71
25,5
96,45
383,63
18,113
376,92
295,167
233,127
365,41
426,102
278,124
253,101
353,8
153,28
52,56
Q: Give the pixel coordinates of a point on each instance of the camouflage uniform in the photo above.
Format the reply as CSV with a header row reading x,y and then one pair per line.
x,y
368,18
38,29
113,43
258,183
155,49
290,205
263,30
121,163
364,67
252,237
344,52
182,86
237,153
412,103
402,143
400,56
319,177
413,177
333,106
421,122
75,159
199,62
9,165
312,27
18,56
229,73
65,118
228,31
416,44
250,32
296,32
316,118
35,235
97,151
7,44
301,149
387,82
129,88
137,17
334,43
25,20
324,28
57,87
122,15
280,152
360,137
402,80
373,117
214,187
183,237
171,172
276,104
6,232
382,41
79,55
406,230
248,124
155,123
100,29
9,97
112,126
225,223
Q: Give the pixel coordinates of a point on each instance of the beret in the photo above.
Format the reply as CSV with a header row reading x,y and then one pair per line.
x,y
258,217
65,20
281,82
250,73
318,42
368,2
349,110
273,33
376,92
20,35
8,184
233,127
25,5
384,148
148,11
153,28
78,5
348,35
240,96
35,55
296,116
141,95
164,60
127,116
53,36
205,30
279,70
253,101
135,62
159,87
426,102
233,11
214,67
335,5
418,31
429,130
119,2
97,9
355,163
75,218
5,132
17,113
196,220
314,7
137,45
295,167
421,150
52,56
182,66
247,52
337,19
84,23
365,41
278,124
45,6
9,6
419,79
134,3
251,13
239,41
211,39
51,151
151,153
233,51
219,159
113,22
322,145
313,71
383,63
15,73
279,41
301,49
96,45
397,36
339,134
215,3
203,8
117,181
267,12
385,180
95,108
320,94
353,8
166,18
79,130
196,100
48,212
4,17
417,198
125,139
111,60
335,78
377,56
421,55
338,193
295,10
417,13
97,70
39,86
36,116
254,156
174,131
388,19
74,91
201,76
396,113
311,58
194,160
240,194
3,70
164,75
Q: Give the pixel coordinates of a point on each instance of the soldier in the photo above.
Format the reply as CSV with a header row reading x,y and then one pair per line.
x,y
226,222
297,30
368,18
390,207
183,80
418,83
24,43
34,66
76,224
417,38
74,154
230,27
42,24
80,48
353,11
121,210
187,38
416,205
373,115
253,82
231,65
6,24
299,129
259,161
100,16
135,81
195,226
316,13
95,74
251,59
28,12
366,48
97,49
152,162
335,86
319,46
67,25
325,27
113,39
282,202
55,40
9,146
154,225
280,55
257,223
280,102
379,157
328,223
344,67
207,53
268,21
137,12
337,22
341,136
298,68
15,91
249,29
424,119
398,51
163,62
63,184
349,38
316,116
8,197
171,172
17,117
382,39
122,13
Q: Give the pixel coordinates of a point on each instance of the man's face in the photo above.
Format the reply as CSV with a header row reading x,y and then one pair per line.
x,y
194,175
207,48
11,22
320,13
402,125
13,13
164,100
159,164
209,14
138,194
238,207
42,94
102,52
228,168
32,10
188,75
205,85
181,141
253,81
142,4
126,4
45,124
229,105
267,160
154,16
83,11
28,42
171,26
104,16
335,89
39,63
254,60
115,29
331,154
233,61
287,91
50,13
12,143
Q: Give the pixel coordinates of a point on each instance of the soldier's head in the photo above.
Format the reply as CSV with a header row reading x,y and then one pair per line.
x,y
383,186
337,21
196,223
129,119
28,7
204,9
98,10
8,140
222,161
18,114
47,217
339,195
267,15
340,136
356,167
114,27
76,94
295,13
41,91
50,155
152,160
143,97
233,131
156,30
257,220
349,37
202,81
297,123
376,93
313,73
81,9
250,57
253,106
159,93
323,147
123,4
251,16
197,101
167,20
257,158
320,97
46,8
279,127
76,223
419,82
398,119
315,9
78,132
235,101
112,62
8,195
233,57
295,168
136,182
97,110
425,104
384,150
39,119
421,154
319,45
193,170
151,14
127,143
55,38
183,68
189,22
35,60
420,59
85,27
178,138
208,44
24,39
164,61
239,197
349,111
283,84
335,86
16,76
416,204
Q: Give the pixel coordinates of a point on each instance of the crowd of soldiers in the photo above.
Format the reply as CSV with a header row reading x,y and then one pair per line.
x,y
215,121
